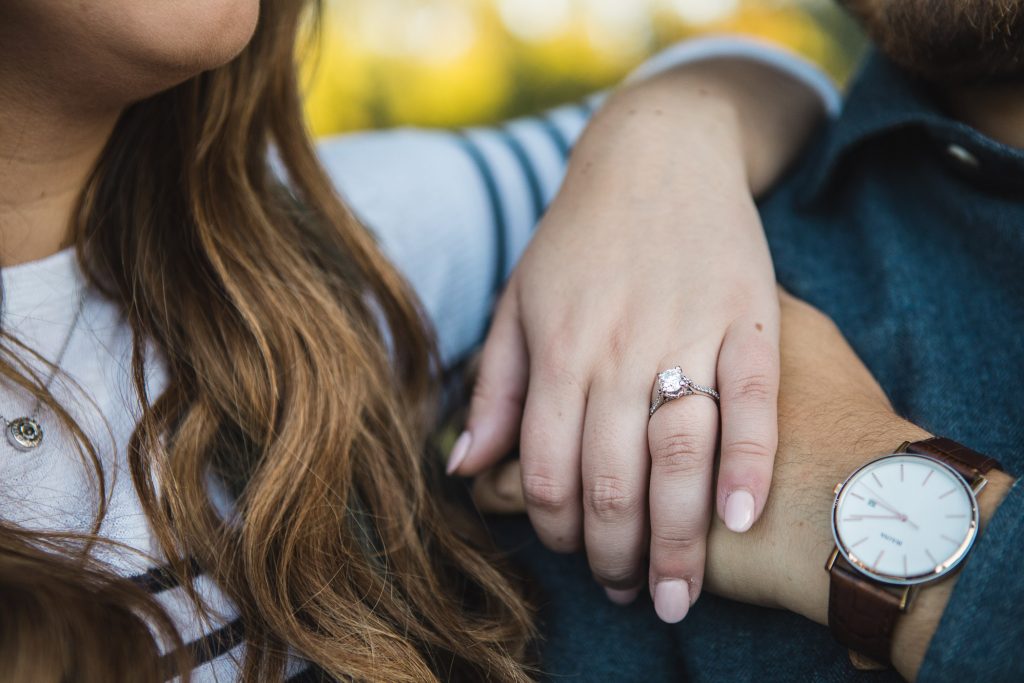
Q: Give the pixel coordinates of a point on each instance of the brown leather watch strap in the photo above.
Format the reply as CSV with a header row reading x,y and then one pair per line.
x,y
862,613
970,464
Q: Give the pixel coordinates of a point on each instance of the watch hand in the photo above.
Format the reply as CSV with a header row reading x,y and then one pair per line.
x,y
881,502
902,517
854,517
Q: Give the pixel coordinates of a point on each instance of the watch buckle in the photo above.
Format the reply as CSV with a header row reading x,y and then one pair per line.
x,y
864,663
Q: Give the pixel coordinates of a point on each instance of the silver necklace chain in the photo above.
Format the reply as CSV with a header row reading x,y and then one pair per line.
x,y
25,433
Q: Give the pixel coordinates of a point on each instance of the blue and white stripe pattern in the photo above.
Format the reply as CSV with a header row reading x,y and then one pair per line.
x,y
454,210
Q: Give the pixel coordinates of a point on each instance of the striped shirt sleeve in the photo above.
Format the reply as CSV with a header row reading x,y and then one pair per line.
x,y
454,210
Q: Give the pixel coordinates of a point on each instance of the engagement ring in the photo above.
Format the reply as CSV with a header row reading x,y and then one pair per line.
x,y
672,384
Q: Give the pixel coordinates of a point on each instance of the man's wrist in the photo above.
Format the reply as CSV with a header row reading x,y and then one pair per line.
x,y
878,436
807,593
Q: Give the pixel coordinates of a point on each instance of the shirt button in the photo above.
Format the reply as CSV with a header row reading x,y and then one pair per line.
x,y
961,154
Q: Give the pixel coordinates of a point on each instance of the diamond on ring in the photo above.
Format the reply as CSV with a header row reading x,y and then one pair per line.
x,y
672,384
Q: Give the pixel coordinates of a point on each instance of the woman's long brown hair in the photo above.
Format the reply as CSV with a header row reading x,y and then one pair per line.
x,y
300,379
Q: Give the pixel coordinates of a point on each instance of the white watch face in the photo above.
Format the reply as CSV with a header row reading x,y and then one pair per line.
x,y
905,519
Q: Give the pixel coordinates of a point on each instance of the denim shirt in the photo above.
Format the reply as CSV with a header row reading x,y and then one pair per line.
x,y
907,228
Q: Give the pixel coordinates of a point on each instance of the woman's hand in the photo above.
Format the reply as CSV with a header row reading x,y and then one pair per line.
x,y
833,418
651,257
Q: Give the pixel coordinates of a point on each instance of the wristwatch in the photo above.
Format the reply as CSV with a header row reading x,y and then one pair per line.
x,y
900,522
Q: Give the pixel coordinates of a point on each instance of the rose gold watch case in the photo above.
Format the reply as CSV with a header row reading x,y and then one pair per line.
x,y
942,569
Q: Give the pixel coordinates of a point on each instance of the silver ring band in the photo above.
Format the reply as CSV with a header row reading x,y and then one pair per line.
x,y
672,384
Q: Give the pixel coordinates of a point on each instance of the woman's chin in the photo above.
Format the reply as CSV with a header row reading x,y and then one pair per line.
x,y
108,53
173,41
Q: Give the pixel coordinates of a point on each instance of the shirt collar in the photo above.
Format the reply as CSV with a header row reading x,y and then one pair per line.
x,y
883,100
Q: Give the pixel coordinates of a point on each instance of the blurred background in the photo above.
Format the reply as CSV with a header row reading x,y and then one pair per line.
x,y
383,63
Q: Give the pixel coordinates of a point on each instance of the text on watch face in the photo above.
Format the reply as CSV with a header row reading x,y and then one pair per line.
x,y
905,518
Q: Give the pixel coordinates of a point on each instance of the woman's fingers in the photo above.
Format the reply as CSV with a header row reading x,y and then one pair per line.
x,y
748,378
549,450
593,471
683,436
496,410
615,481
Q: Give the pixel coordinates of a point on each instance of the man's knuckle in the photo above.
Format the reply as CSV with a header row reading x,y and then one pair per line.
x,y
811,315
610,497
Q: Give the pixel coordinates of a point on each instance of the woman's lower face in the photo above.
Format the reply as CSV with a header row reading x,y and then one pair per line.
x,y
121,49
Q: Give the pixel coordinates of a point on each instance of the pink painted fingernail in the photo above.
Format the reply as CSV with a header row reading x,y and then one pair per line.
x,y
459,451
672,600
739,511
623,598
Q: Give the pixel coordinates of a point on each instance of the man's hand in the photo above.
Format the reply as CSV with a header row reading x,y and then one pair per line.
x,y
652,256
833,418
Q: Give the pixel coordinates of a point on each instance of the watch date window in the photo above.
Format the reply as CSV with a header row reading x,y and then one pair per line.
x,y
905,517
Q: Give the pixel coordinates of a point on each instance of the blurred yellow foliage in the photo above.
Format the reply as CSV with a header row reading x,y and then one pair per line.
x,y
457,62
797,30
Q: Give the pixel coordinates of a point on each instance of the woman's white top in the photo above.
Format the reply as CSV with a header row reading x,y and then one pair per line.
x,y
453,209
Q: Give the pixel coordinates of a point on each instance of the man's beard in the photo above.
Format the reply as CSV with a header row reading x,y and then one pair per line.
x,y
948,41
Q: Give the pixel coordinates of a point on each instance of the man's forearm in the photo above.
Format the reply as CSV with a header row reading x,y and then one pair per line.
x,y
861,439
